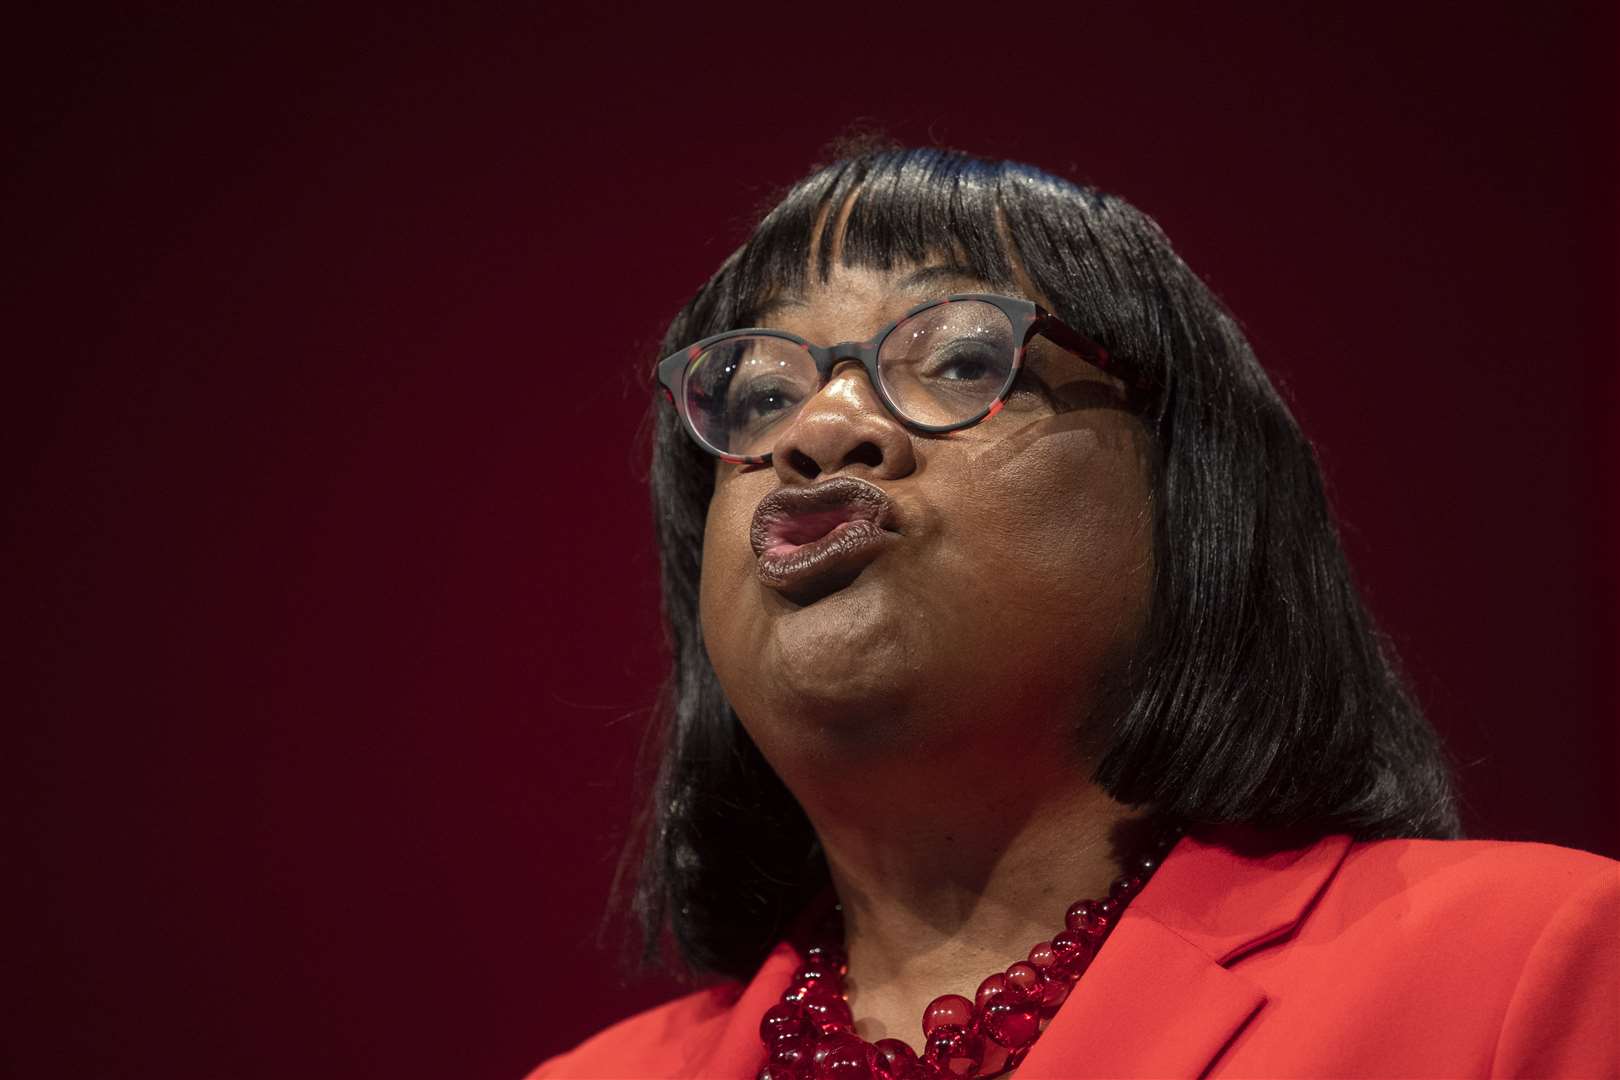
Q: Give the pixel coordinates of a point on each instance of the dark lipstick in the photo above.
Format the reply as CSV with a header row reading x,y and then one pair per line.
x,y
813,540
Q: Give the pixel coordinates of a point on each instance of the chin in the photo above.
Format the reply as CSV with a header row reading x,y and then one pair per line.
x,y
856,633
826,686
816,678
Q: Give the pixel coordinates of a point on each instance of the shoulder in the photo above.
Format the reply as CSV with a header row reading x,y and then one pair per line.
x,y
648,1043
1476,857
1523,933
1510,892
1465,957
1500,884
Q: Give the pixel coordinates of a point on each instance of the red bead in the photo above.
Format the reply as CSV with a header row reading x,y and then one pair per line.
x,y
951,1049
828,1014
844,1056
781,1020
799,993
895,1058
796,993
1109,909
995,1059
1074,952
1075,966
772,1071
989,989
1124,888
805,975
833,1042
794,1051
1077,915
1041,955
1023,979
952,1009
1054,990
821,988
1012,1025
828,958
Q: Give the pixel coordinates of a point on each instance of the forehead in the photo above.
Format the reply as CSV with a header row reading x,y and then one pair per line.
x,y
854,302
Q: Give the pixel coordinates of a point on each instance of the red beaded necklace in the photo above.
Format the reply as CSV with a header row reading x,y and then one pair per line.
x,y
810,1034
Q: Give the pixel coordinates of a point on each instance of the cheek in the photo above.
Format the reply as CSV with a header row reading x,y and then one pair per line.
x,y
1058,530
727,572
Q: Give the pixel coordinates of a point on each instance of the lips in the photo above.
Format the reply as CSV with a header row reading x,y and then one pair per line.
x,y
812,541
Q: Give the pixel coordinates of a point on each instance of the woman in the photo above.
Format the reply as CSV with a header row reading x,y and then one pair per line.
x,y
1007,608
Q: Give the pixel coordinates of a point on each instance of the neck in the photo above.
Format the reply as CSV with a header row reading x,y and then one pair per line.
x,y
943,884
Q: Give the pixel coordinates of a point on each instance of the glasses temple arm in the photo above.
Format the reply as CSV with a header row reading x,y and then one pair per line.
x,y
1062,334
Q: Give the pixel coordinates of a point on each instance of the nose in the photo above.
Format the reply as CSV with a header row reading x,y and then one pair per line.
x,y
845,428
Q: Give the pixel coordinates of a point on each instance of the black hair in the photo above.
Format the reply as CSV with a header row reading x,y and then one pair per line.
x,y
1262,693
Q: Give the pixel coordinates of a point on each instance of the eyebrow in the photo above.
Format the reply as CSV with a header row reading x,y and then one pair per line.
x,y
919,278
932,275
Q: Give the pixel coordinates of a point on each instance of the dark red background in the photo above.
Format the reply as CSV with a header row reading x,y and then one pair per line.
x,y
325,530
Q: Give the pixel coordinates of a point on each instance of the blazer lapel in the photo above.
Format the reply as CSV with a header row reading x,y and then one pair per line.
x,y
1159,1000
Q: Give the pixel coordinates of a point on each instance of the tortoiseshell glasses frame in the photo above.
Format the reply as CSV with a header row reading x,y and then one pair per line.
x,y
677,373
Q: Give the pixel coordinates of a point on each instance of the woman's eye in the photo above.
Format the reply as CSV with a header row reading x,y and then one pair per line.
x,y
761,401
965,370
964,365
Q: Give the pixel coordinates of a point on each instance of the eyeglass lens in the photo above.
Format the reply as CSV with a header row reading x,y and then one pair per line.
x,y
942,366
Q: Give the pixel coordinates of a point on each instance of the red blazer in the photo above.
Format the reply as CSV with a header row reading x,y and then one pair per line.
x,y
1397,958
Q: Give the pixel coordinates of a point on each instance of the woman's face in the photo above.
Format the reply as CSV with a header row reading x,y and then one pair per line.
x,y
1012,574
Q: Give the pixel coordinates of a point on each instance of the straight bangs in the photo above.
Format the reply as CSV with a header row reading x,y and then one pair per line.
x,y
878,212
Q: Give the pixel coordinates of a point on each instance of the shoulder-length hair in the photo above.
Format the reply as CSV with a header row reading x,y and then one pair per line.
x,y
1262,693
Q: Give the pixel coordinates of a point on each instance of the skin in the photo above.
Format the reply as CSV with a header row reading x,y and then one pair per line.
x,y
931,715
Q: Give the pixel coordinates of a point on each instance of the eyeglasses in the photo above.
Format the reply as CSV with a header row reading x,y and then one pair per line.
x,y
942,366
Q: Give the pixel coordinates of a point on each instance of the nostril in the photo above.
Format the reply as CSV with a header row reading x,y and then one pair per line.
x,y
804,464
867,453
